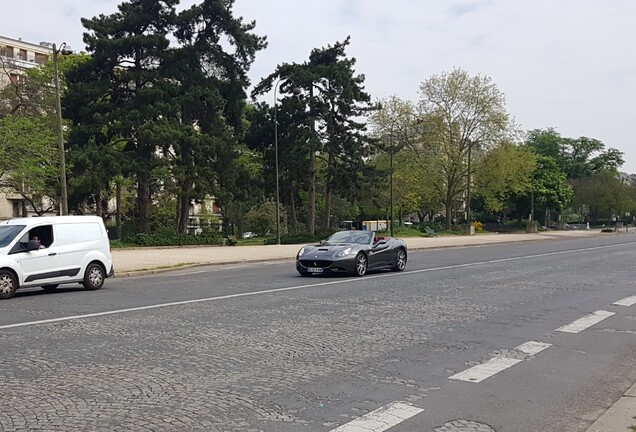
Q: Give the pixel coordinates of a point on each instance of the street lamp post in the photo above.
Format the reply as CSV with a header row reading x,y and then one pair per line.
x,y
64,50
391,172
532,204
276,162
391,151
539,166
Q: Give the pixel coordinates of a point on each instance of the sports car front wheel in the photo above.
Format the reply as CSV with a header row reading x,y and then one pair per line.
x,y
361,264
400,260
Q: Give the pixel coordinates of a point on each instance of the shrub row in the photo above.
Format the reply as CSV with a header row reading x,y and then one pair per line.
x,y
172,238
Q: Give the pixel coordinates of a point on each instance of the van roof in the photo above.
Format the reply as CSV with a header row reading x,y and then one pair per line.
x,y
52,219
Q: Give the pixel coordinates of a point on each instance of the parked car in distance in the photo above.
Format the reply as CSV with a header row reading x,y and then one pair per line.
x,y
353,252
49,251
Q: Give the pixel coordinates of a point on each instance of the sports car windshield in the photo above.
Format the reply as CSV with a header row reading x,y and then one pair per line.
x,y
8,233
358,237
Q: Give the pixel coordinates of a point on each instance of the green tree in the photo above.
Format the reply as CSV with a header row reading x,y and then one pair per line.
x,y
576,157
28,159
466,113
607,195
201,136
116,98
159,107
262,219
551,189
28,139
399,131
505,172
329,119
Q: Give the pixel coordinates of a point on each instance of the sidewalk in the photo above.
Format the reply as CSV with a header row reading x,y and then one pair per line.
x,y
136,261
139,261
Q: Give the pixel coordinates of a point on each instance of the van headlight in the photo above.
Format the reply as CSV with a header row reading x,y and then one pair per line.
x,y
345,252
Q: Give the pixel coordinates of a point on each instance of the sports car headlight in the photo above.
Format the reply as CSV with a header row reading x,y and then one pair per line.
x,y
301,252
345,252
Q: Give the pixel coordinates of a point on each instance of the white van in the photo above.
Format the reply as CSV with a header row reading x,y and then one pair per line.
x,y
48,251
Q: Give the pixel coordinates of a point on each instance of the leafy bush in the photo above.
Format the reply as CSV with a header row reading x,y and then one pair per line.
x,y
298,238
479,227
167,237
435,226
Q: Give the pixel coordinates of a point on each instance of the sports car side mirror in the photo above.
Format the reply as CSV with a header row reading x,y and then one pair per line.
x,y
322,242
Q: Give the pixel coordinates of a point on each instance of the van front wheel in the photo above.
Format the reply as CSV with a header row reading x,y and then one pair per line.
x,y
94,277
8,284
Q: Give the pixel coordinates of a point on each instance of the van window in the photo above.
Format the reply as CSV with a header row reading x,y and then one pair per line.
x,y
78,232
8,233
44,234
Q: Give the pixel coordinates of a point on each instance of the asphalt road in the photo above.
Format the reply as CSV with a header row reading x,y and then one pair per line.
x,y
442,347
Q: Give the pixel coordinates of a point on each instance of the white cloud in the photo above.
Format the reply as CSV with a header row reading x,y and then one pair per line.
x,y
566,64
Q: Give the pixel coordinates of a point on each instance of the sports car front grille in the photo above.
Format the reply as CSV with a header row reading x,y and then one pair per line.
x,y
315,263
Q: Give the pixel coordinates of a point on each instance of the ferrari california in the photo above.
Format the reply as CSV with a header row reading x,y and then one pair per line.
x,y
352,252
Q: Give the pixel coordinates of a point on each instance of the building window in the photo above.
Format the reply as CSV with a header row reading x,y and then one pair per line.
x,y
41,58
22,55
15,78
9,51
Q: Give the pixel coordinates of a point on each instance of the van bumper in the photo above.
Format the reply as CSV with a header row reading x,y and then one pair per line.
x,y
111,273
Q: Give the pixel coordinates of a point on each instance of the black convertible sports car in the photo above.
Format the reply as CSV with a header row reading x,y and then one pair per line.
x,y
352,252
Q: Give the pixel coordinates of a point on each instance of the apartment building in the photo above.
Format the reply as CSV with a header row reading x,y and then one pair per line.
x,y
16,56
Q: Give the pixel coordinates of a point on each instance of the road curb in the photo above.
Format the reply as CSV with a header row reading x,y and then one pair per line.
x,y
164,269
620,416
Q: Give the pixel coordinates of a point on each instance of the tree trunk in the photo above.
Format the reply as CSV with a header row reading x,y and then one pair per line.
x,y
98,206
327,220
292,210
449,212
118,211
142,218
183,210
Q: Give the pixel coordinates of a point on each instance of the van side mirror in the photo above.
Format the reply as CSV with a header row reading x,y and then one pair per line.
x,y
32,245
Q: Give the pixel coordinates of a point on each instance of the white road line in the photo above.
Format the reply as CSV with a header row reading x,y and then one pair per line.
x,y
495,365
485,370
532,347
298,287
381,419
627,301
585,322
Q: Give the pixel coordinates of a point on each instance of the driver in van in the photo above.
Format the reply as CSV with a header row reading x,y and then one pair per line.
x,y
37,239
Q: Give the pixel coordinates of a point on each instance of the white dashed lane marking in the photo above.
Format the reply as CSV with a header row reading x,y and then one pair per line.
x,y
627,301
586,322
532,347
381,419
483,371
495,365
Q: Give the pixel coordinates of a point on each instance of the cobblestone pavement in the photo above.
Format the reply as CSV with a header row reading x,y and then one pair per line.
x,y
310,360
212,367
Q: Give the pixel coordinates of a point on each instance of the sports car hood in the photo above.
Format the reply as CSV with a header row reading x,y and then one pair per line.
x,y
324,251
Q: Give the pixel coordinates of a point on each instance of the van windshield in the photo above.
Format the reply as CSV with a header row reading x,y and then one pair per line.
x,y
8,233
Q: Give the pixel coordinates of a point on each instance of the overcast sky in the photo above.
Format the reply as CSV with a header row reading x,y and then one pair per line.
x,y
567,64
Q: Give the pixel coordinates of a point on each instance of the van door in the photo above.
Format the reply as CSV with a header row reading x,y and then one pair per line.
x,y
40,266
75,241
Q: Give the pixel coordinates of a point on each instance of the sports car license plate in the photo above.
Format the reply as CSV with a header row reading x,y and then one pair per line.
x,y
314,269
